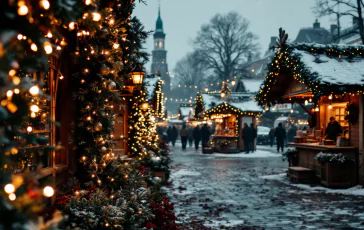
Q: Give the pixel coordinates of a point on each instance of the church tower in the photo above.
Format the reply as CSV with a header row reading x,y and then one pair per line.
x,y
159,54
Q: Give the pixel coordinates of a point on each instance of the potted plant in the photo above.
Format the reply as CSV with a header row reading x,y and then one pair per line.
x,y
291,154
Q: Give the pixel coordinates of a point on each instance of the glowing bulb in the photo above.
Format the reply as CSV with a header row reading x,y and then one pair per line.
x,y
116,46
45,4
34,90
49,35
206,90
61,77
9,188
317,109
16,91
111,21
29,129
48,191
12,196
96,17
232,83
330,97
34,108
34,47
88,2
9,93
33,115
330,106
12,72
20,37
292,111
306,102
48,47
71,25
22,10
59,48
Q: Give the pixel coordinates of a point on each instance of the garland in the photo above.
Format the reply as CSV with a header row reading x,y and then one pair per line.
x,y
333,157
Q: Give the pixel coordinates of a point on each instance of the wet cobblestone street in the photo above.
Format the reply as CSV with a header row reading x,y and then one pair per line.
x,y
228,190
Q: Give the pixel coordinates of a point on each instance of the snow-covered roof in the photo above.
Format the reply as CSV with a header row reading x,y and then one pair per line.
x,y
185,110
245,107
208,99
333,71
250,105
150,84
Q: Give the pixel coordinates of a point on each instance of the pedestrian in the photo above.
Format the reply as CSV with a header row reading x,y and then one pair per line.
x,y
197,136
253,135
291,133
246,137
190,136
174,135
271,136
205,135
333,129
280,134
165,137
184,135
169,134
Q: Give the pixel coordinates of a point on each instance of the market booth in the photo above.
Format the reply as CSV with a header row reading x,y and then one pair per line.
x,y
327,81
229,118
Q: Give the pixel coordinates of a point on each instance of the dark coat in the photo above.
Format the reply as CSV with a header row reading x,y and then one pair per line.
x,y
271,132
197,133
174,133
247,133
205,133
291,133
169,133
280,133
333,130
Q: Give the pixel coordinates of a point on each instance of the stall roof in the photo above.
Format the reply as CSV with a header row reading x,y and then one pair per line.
x,y
324,69
243,108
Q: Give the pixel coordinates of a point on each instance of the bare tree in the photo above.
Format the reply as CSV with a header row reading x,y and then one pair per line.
x,y
225,43
190,72
343,8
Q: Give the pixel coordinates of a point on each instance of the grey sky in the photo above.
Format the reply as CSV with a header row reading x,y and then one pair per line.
x,y
183,18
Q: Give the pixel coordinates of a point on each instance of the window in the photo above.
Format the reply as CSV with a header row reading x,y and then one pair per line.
x,y
160,44
339,114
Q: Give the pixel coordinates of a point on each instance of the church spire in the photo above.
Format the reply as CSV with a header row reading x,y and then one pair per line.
x,y
159,23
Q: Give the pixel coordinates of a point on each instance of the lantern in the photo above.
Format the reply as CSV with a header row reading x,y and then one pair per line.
x,y
137,75
145,106
233,83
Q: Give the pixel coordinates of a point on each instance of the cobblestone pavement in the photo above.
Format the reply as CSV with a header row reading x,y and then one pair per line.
x,y
223,191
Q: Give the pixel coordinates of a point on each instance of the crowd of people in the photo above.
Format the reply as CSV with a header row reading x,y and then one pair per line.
x,y
188,135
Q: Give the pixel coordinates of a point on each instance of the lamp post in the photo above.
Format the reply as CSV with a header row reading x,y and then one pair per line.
x,y
137,75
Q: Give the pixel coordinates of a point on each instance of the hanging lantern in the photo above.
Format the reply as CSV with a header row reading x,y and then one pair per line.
x,y
137,75
145,106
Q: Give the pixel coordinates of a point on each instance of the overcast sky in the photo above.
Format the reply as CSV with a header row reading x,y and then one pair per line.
x,y
183,18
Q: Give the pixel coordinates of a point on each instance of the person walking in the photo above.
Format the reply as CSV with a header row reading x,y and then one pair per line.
x,y
253,135
169,134
205,135
174,135
246,137
271,136
190,136
291,133
184,135
197,136
280,134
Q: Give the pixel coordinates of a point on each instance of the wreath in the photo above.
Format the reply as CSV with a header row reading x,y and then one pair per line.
x,y
352,113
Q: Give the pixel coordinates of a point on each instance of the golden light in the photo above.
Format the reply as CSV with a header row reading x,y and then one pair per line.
x,y
9,93
145,106
61,77
330,97
206,89
9,188
111,21
19,37
48,47
292,110
29,129
16,91
12,196
33,115
96,17
48,191
49,35
34,47
45,4
12,72
23,10
59,48
88,2
71,25
306,102
233,83
330,106
34,108
317,109
222,95
34,90
137,75
116,46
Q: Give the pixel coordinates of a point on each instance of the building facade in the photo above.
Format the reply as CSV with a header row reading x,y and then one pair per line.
x,y
159,55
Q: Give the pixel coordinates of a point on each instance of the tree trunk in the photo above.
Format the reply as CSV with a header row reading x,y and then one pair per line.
x,y
360,21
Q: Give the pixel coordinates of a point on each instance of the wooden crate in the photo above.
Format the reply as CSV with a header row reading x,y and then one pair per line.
x,y
335,175
301,174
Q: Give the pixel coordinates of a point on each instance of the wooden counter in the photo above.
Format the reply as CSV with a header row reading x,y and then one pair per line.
x,y
306,159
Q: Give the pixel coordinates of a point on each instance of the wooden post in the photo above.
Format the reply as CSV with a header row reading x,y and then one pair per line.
x,y
361,139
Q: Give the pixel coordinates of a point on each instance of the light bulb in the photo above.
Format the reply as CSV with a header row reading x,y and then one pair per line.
x,y
34,47
33,115
292,111
330,97
232,83
330,106
71,25
317,109
29,129
9,188
16,91
45,4
34,90
34,108
88,2
48,47
22,10
96,17
116,46
12,196
49,35
20,37
9,93
306,102
48,191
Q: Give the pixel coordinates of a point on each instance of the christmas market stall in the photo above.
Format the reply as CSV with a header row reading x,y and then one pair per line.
x,y
228,111
326,81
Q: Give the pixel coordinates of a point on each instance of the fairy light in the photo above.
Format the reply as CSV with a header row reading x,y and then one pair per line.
x,y
48,47
34,108
9,93
88,2
49,35
12,196
9,188
29,129
34,47
34,90
23,9
19,37
116,46
71,25
48,191
45,4
16,91
96,17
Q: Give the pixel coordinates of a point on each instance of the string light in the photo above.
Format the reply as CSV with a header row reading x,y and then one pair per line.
x,y
23,9
12,196
45,4
48,47
34,47
96,17
9,188
34,90
48,191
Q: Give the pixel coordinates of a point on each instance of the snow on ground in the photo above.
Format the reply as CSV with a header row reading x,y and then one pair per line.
x,y
256,154
282,177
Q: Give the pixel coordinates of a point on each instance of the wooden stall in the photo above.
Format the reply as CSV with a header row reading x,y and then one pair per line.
x,y
327,81
229,118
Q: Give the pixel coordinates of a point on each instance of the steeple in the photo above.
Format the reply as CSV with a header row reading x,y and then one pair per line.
x,y
159,23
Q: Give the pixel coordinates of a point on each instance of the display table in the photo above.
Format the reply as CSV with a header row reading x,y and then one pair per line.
x,y
225,144
329,174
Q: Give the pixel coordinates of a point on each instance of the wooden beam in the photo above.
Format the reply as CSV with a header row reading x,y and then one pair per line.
x,y
304,108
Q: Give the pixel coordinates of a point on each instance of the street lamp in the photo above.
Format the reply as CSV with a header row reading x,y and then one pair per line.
x,y
137,75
